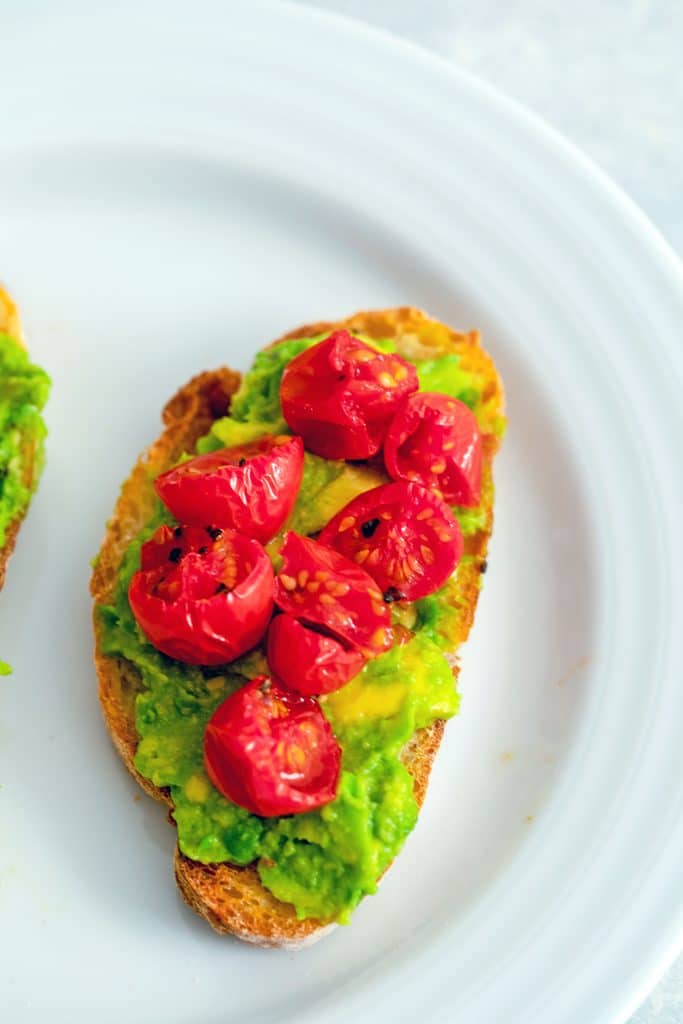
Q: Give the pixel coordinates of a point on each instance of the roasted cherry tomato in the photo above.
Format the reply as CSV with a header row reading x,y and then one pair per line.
x,y
340,396
403,535
251,488
272,751
320,587
435,441
307,660
204,596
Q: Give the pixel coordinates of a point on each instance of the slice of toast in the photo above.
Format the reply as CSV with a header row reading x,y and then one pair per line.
x,y
10,323
232,899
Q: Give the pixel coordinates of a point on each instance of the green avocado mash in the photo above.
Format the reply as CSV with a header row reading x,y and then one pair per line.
x,y
325,861
24,389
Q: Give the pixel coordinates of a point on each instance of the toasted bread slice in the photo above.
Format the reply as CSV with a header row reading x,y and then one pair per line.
x,y
10,323
232,899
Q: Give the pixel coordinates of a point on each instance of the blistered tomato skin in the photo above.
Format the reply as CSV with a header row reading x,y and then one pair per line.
x,y
435,441
251,488
308,661
320,587
405,537
272,751
203,596
341,394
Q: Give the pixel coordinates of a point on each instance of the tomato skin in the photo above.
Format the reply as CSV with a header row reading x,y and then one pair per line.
x,y
272,751
341,394
318,586
203,596
307,661
435,440
251,488
405,537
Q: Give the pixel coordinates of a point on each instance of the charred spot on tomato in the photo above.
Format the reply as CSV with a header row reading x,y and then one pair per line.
x,y
202,550
178,532
242,462
393,594
483,566
175,554
369,527
213,532
221,588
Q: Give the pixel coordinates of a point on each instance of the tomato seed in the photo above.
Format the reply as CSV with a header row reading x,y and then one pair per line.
x,y
386,380
368,528
379,637
427,554
425,513
346,523
361,555
288,582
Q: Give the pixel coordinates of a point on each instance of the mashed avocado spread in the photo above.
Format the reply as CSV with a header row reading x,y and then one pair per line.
x,y
24,389
324,861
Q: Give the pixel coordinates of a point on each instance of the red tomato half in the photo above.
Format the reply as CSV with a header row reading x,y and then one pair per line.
x,y
204,596
308,661
251,488
272,751
320,587
403,535
340,396
435,441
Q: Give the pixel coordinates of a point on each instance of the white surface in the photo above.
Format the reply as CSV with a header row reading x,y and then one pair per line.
x,y
608,74
157,221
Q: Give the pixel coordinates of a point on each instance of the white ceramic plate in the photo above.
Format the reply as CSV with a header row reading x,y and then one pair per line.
x,y
175,191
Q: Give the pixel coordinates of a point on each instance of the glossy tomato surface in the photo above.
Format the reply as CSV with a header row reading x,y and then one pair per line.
x,y
320,587
251,488
204,596
307,660
403,535
341,394
435,441
272,751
